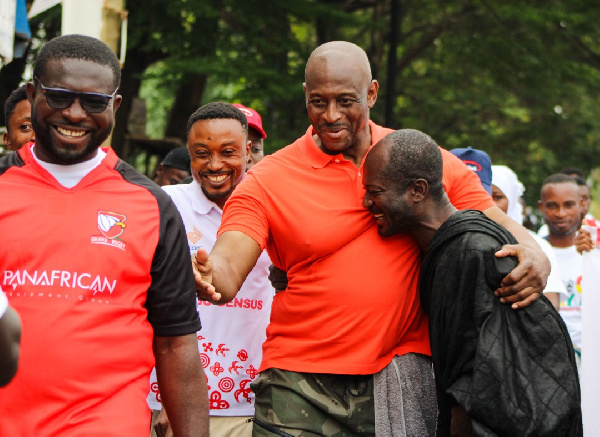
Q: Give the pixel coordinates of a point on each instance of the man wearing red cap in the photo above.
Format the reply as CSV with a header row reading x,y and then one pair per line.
x,y
230,343
256,134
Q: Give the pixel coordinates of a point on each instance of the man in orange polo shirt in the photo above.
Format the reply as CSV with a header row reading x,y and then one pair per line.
x,y
351,303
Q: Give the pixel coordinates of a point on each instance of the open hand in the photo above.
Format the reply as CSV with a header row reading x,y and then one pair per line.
x,y
203,269
583,241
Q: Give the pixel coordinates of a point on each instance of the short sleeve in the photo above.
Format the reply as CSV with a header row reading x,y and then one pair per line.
x,y
246,211
171,302
463,186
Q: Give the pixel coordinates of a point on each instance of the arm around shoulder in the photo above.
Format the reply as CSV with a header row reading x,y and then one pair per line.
x,y
527,281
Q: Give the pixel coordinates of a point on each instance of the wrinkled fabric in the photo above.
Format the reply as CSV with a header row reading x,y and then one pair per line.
x,y
513,371
313,404
405,403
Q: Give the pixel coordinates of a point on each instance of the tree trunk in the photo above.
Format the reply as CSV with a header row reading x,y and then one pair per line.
x,y
131,80
390,92
187,99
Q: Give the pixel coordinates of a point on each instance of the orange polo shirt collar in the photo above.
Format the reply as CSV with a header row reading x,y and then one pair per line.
x,y
319,159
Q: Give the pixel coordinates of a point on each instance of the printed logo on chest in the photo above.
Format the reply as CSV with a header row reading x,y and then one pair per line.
x,y
111,225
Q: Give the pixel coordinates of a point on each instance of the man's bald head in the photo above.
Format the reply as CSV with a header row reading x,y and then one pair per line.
x,y
337,53
339,93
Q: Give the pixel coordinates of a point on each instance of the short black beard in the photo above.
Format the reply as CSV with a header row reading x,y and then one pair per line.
x,y
65,157
563,234
402,219
218,196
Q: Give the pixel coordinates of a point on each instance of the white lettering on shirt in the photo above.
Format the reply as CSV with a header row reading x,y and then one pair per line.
x,y
59,278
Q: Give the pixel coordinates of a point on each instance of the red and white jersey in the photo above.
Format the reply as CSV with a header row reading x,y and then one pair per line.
x,y
95,272
230,344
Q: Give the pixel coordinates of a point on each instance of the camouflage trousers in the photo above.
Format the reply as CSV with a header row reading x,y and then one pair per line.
x,y
313,404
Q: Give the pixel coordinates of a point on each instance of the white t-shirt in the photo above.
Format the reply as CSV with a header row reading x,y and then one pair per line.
x,y
570,262
70,175
554,283
230,342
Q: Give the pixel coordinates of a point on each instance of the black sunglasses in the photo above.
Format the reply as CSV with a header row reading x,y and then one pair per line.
x,y
59,98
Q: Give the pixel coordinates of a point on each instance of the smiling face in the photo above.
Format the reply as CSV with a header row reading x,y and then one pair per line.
x,y
218,149
339,93
18,127
71,135
560,207
385,199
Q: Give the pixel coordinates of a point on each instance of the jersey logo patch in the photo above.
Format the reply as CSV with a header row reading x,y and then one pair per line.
x,y
111,225
194,236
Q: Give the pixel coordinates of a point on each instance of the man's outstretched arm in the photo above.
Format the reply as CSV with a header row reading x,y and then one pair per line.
x,y
220,275
182,384
526,282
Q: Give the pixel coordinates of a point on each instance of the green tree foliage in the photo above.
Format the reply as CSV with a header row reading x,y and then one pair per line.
x,y
512,78
517,79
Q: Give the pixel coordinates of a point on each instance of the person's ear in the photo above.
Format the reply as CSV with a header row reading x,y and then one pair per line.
x,y
7,141
248,149
372,93
419,190
30,90
116,103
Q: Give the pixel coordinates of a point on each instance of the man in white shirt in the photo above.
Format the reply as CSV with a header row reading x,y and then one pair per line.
x,y
230,344
560,205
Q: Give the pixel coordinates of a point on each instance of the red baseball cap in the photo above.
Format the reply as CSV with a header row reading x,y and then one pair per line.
x,y
253,117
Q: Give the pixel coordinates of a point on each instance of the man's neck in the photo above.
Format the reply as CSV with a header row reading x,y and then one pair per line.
x,y
357,151
429,222
562,240
221,202
42,156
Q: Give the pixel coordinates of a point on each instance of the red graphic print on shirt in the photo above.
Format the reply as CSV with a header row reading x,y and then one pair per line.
x,y
243,391
242,355
226,384
216,402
